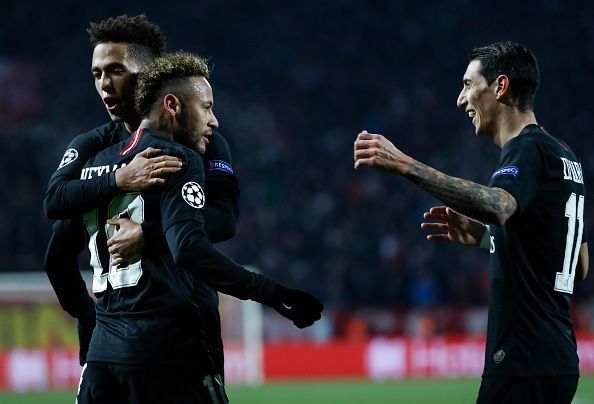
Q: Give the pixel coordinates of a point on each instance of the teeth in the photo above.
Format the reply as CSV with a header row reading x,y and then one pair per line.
x,y
471,114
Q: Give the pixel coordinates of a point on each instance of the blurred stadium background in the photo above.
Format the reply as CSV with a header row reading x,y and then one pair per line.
x,y
293,85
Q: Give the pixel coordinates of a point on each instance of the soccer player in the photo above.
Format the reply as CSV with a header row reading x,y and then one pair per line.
x,y
530,217
123,45
145,347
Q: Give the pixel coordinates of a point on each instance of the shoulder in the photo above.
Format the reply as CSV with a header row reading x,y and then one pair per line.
x,y
169,147
219,139
103,135
549,144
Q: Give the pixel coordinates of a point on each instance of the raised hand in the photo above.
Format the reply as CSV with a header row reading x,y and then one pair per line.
x,y
446,224
147,169
376,151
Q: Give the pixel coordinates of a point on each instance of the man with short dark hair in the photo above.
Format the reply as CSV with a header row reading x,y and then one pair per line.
x,y
534,208
145,347
122,45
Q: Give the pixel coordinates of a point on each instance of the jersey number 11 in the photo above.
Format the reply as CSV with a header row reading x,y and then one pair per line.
x,y
574,211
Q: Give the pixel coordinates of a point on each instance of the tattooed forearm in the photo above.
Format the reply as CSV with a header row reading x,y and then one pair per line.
x,y
491,205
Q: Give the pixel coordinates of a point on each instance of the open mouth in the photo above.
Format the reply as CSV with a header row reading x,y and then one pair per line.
x,y
111,103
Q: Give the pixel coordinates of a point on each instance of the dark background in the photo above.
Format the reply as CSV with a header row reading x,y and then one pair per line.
x,y
294,83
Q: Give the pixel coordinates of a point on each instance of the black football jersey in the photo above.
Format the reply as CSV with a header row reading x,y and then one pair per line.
x,y
65,198
144,311
534,258
152,311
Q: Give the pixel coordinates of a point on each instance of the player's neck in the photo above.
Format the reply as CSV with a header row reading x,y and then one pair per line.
x,y
511,125
155,126
132,126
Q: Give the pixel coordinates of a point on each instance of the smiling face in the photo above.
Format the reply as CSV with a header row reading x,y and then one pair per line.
x,y
115,73
197,119
478,99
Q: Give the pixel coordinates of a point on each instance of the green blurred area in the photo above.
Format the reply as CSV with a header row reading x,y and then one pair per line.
x,y
338,392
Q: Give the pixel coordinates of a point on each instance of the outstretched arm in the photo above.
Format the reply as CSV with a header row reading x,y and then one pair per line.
x,y
491,205
192,251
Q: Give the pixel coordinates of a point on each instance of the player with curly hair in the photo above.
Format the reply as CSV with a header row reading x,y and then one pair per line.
x,y
152,311
122,45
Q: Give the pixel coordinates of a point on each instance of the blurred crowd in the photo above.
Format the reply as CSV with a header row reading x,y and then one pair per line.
x,y
293,85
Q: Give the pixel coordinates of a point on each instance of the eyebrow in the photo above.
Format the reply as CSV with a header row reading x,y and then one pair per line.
x,y
108,66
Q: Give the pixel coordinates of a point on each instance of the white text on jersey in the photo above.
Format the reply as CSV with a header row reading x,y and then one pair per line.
x,y
572,170
92,172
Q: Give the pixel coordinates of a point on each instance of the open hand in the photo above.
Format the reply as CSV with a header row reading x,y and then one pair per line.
x,y
147,169
447,224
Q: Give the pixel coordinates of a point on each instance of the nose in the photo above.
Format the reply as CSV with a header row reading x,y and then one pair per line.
x,y
105,83
461,101
213,122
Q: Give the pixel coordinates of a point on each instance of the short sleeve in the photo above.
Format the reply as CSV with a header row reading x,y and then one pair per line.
x,y
520,171
184,198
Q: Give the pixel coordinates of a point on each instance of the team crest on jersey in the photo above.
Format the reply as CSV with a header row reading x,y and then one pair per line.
x,y
69,156
508,170
193,195
499,356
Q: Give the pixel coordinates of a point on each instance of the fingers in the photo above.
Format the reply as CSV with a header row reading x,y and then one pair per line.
x,y
164,171
438,237
364,135
434,226
438,209
149,152
365,144
165,161
156,181
117,260
115,221
435,217
364,162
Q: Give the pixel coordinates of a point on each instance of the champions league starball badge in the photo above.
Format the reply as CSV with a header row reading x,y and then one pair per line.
x,y
69,156
193,194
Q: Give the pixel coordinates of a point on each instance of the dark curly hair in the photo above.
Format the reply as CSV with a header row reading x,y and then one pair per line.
x,y
145,39
170,73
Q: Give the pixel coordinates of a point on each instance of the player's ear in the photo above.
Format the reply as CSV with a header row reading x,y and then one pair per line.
x,y
171,105
502,87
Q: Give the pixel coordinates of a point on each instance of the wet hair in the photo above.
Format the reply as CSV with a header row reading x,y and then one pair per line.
x,y
515,61
145,39
168,74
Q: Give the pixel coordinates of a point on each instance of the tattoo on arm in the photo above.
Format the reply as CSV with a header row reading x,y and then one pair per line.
x,y
491,205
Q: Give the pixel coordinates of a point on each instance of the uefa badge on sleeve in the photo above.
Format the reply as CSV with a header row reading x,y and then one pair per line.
x,y
69,156
193,195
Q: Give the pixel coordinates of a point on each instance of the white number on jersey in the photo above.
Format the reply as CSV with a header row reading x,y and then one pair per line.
x,y
574,211
129,206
